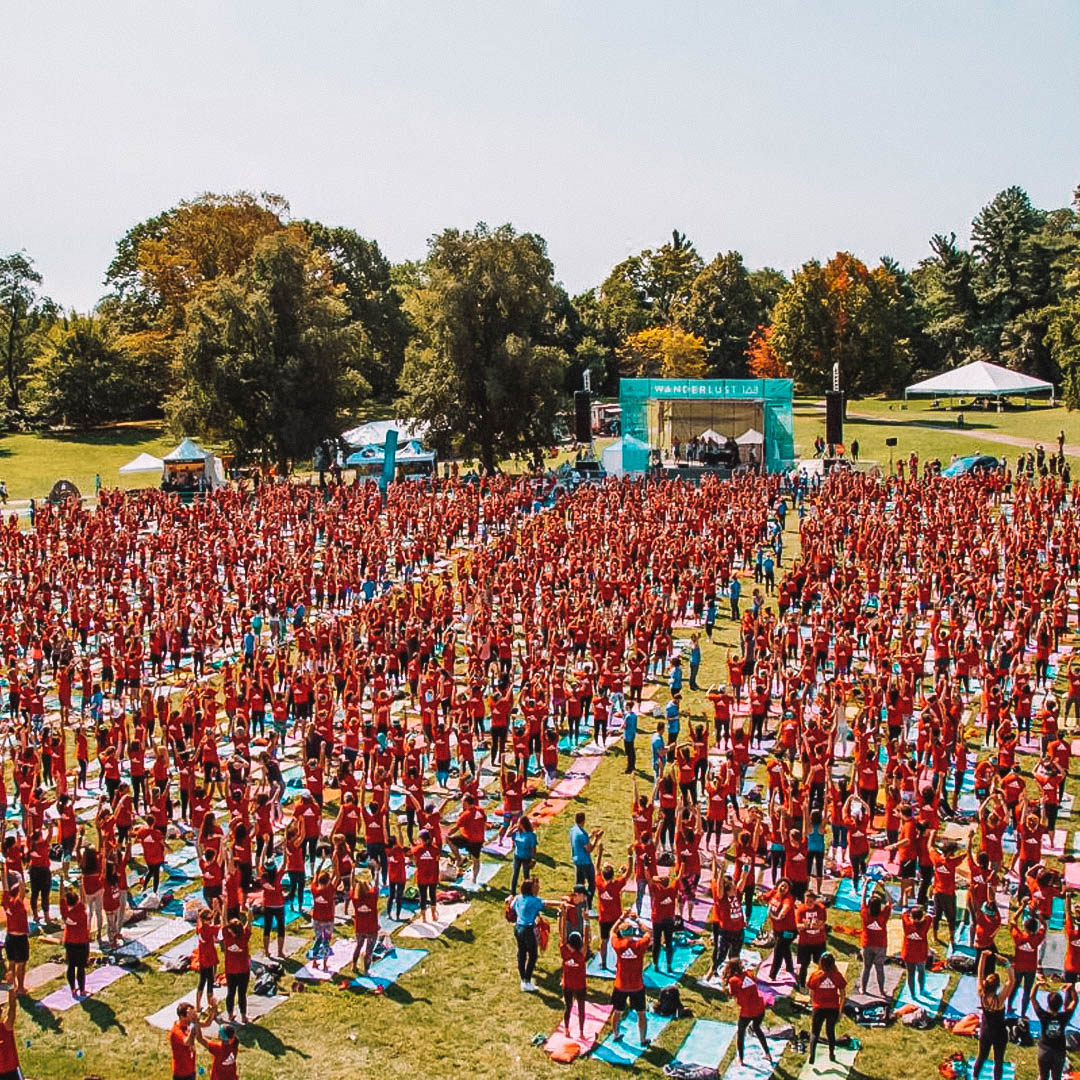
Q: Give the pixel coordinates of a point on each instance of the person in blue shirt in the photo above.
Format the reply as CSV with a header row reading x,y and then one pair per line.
x,y
658,751
734,592
769,567
524,837
582,843
629,735
695,661
526,909
671,719
710,617
248,648
675,679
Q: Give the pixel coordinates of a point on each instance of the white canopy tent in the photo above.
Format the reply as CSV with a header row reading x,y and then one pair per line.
x,y
750,437
374,433
981,379
144,463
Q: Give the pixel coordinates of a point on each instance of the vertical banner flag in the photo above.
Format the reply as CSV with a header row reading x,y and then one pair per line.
x,y
389,460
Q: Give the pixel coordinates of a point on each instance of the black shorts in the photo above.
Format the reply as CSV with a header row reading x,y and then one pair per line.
x,y
473,847
17,948
909,868
605,930
273,915
636,998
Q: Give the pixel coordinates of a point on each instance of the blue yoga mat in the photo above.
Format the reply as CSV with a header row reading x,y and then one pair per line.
x,y
758,1066
936,981
965,998
389,969
847,898
627,1052
1057,914
706,1044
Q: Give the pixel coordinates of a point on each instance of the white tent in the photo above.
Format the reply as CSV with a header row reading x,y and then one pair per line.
x,y
142,464
709,435
750,437
981,379
190,461
374,433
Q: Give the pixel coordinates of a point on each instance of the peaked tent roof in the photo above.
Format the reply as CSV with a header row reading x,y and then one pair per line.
x,y
980,377
374,432
143,463
188,450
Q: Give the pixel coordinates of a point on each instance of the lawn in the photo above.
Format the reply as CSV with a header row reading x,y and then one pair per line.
x,y
32,463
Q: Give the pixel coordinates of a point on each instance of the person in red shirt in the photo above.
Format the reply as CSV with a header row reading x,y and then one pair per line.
x,y
875,911
236,945
207,928
223,1051
663,895
425,856
9,1050
182,1037
811,921
273,905
470,827
827,990
76,935
609,890
945,864
1028,934
782,919
365,899
914,949
743,987
574,979
630,941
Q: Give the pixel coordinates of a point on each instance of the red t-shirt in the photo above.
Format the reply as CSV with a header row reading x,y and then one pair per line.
x,y
9,1052
826,988
875,927
913,948
744,989
224,1054
573,968
183,1056
237,957
630,962
365,909
426,857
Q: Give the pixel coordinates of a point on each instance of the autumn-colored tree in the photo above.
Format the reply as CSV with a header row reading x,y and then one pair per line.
x,y
761,360
664,352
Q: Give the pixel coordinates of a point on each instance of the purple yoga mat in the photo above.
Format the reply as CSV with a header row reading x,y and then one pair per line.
x,y
96,979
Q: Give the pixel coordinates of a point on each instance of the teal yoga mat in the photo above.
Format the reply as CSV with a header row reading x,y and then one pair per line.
x,y
965,998
626,1052
936,981
385,972
707,1043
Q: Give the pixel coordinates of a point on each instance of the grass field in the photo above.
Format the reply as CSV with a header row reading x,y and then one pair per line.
x,y
460,1014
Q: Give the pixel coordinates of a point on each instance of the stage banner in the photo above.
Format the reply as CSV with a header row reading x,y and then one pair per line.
x,y
389,459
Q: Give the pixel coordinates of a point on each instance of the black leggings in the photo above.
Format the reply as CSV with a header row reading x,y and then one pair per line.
x,y
206,981
782,955
994,1042
40,886
664,931
527,950
806,954
77,955
236,988
828,1018
754,1023
1051,1064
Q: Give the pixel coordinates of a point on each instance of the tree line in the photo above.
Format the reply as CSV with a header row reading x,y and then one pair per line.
x,y
238,322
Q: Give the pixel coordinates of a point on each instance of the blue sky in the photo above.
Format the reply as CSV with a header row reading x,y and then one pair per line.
x,y
785,130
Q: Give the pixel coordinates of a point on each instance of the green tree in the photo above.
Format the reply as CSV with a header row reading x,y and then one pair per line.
x,y
723,309
946,301
24,314
267,360
84,377
845,314
485,367
374,304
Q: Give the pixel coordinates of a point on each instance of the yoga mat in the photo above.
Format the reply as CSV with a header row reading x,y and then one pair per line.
x,y
1057,912
758,1066
257,1007
628,1050
96,980
1072,874
964,1000
448,915
824,1069
987,1071
847,898
681,959
385,972
936,981
487,871
1053,953
157,938
569,787
596,1016
340,954
706,1044
42,974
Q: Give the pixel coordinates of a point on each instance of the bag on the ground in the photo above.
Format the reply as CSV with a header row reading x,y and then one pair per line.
x,y
866,1010
690,1072
265,985
963,963
1020,1032
669,1003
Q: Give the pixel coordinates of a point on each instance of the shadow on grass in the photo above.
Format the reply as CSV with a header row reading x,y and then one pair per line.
x,y
45,1019
118,436
263,1039
102,1015
933,425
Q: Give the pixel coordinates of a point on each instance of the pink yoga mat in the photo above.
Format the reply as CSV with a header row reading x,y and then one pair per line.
x,y
1072,875
596,1016
96,979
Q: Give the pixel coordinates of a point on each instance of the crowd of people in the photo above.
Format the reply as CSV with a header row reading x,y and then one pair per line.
x,y
417,660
